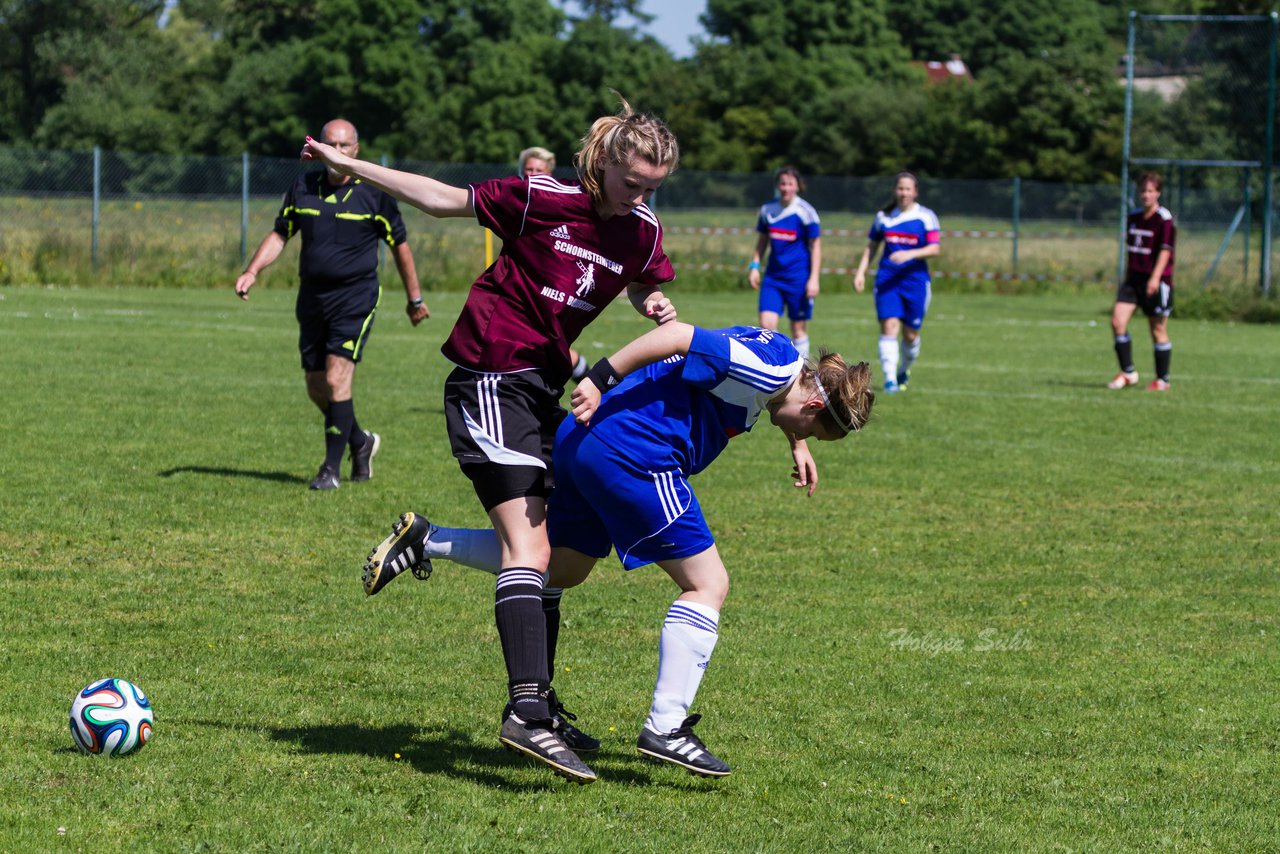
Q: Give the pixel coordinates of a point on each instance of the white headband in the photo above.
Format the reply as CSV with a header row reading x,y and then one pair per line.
x,y
827,401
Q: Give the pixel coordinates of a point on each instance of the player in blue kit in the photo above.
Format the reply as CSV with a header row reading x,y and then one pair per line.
x,y
622,482
791,235
910,234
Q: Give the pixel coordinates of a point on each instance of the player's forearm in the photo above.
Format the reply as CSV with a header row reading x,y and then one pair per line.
x,y
670,339
865,261
1162,261
427,194
815,260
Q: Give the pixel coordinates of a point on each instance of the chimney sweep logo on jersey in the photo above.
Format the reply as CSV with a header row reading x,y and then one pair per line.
x,y
586,261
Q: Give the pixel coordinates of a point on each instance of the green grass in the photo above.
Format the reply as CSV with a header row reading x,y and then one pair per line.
x,y
1118,548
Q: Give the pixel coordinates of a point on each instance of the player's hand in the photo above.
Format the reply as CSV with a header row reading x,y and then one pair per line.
x,y
417,313
585,400
314,149
243,284
859,282
902,256
811,289
660,311
1152,286
753,279
804,471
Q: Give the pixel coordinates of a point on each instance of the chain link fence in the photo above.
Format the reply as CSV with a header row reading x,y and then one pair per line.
x,y
1200,109
157,220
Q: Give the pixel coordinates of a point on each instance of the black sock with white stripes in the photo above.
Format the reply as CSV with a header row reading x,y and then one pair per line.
x,y
1164,355
1124,353
522,628
551,618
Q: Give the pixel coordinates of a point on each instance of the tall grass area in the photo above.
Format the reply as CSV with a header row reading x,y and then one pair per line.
x,y
1021,613
195,243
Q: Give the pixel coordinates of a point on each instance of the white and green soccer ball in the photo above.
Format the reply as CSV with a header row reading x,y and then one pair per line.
x,y
111,716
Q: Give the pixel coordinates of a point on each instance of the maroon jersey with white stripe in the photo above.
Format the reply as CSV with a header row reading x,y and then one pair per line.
x,y
560,265
1146,236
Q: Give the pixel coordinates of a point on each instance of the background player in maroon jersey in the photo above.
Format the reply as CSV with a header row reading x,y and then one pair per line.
x,y
1150,235
568,249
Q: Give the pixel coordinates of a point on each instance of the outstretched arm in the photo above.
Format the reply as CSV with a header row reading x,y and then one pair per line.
x,y
669,339
427,194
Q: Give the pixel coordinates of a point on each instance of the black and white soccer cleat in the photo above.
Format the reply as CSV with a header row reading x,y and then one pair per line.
x,y
404,548
681,747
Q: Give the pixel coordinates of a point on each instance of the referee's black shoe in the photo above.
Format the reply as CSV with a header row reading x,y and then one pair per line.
x,y
681,747
404,548
362,457
539,740
326,478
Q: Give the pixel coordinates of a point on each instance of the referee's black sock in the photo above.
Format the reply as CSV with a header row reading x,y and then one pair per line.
x,y
357,437
337,430
1164,355
522,628
1124,353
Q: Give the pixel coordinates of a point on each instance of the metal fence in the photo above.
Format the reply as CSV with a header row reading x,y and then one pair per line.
x,y
114,217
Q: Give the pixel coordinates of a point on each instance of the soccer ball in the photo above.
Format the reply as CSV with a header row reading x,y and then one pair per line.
x,y
111,716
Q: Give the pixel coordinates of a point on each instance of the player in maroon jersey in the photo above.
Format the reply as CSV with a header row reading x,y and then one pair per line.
x,y
568,249
1149,238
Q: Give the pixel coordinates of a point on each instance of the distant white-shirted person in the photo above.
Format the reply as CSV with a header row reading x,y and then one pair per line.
x,y
791,235
910,233
537,160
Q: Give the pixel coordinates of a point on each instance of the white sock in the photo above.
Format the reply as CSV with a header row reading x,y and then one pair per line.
x,y
477,548
688,637
889,356
802,346
912,353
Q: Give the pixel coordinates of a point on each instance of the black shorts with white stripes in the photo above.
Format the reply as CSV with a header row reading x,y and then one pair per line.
x,y
1134,290
501,428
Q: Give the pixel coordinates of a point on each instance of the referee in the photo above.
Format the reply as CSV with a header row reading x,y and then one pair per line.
x,y
341,221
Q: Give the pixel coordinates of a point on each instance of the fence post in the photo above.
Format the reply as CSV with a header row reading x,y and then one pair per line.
x,y
1248,224
1267,214
1124,158
1017,216
244,206
97,203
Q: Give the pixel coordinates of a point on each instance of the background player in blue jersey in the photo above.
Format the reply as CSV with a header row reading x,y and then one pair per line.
x,y
791,235
622,482
910,233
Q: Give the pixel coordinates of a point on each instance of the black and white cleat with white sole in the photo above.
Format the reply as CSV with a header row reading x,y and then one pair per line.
x,y
544,744
681,747
403,549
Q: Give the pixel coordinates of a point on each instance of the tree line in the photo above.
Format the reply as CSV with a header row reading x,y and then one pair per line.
x,y
832,86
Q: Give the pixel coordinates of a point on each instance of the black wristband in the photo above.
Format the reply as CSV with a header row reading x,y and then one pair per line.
x,y
415,302
603,376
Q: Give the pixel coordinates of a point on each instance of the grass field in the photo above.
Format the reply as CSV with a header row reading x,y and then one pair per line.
x,y
1022,613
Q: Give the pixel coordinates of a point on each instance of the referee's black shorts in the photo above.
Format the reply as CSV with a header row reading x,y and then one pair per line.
x,y
501,429
1134,290
336,321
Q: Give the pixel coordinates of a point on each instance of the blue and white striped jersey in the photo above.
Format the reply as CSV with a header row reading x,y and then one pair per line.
x,y
680,413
